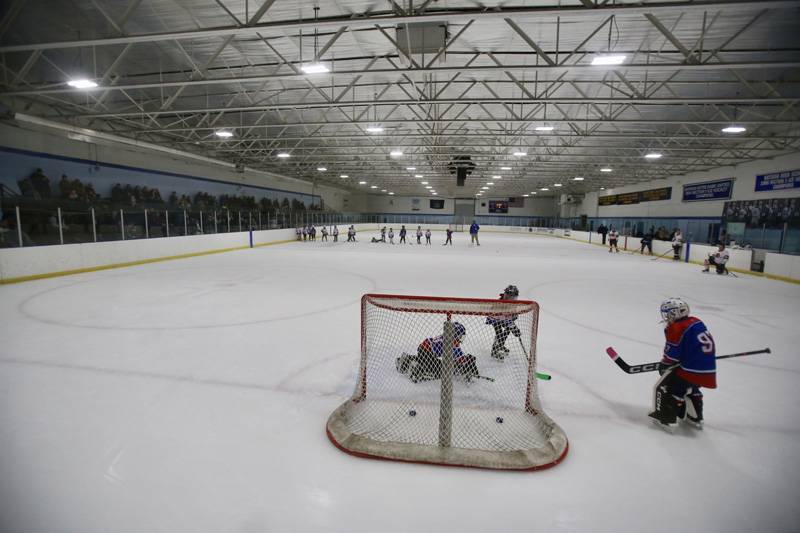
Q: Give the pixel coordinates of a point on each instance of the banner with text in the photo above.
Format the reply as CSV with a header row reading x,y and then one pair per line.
x,y
788,179
710,190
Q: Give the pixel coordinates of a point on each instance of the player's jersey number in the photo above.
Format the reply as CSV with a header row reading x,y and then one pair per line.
x,y
706,342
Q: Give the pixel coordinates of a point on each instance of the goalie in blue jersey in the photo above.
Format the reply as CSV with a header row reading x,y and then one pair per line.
x,y
427,364
689,363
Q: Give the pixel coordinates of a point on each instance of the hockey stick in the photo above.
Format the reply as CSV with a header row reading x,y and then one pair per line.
x,y
662,255
487,378
651,367
539,375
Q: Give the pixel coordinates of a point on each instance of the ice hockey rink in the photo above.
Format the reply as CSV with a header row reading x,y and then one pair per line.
x,y
192,395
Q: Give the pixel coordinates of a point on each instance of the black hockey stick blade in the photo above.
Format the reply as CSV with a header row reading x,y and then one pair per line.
x,y
652,367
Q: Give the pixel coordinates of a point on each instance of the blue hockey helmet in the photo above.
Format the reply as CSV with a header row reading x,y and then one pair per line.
x,y
459,329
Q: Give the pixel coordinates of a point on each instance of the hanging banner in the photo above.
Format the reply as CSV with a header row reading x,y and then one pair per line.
x,y
709,190
789,179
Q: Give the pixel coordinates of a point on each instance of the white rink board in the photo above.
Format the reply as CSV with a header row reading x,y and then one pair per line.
x,y
192,395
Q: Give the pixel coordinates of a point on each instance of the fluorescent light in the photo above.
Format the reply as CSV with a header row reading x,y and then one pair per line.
x,y
424,182
224,134
526,195
395,153
577,178
653,155
606,169
556,185
375,129
734,129
322,169
544,189
411,168
608,60
428,187
418,176
434,193
82,83
544,128
362,182
344,176
534,192
489,183
373,186
391,194
284,155
383,190
505,168
602,188
497,177
520,153
485,188
314,68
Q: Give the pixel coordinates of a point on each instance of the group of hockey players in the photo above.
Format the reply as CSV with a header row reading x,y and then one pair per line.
x,y
688,362
309,233
427,363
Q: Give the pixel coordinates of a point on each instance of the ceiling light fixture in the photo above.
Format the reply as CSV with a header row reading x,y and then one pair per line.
x,y
82,83
544,128
375,129
284,155
556,185
544,189
391,194
424,182
505,168
428,187
418,176
612,59
497,177
489,183
520,153
577,178
606,169
396,153
344,176
322,169
373,186
362,182
526,195
734,129
225,134
411,168
653,155
315,67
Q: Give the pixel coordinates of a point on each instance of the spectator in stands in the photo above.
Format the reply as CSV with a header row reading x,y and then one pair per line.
x,y
9,236
41,183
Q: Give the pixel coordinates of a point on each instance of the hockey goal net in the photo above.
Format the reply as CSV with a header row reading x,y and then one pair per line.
x,y
448,381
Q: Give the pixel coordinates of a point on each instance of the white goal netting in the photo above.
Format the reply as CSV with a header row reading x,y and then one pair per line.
x,y
448,381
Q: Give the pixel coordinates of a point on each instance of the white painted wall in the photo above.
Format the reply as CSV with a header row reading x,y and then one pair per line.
x,y
383,203
743,189
787,266
31,261
23,137
533,207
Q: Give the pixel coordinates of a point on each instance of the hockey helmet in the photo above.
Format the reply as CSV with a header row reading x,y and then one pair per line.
x,y
511,292
459,329
673,309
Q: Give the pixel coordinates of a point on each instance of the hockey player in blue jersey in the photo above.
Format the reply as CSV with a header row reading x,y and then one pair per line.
x,y
504,325
428,362
689,363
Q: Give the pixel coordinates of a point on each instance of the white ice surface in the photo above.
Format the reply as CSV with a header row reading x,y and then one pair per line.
x,y
192,396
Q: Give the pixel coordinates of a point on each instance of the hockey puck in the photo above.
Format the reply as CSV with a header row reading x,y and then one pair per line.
x,y
499,419
412,413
